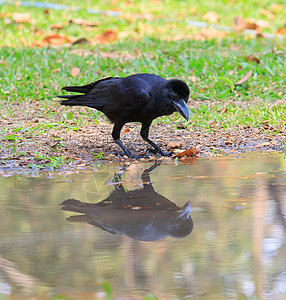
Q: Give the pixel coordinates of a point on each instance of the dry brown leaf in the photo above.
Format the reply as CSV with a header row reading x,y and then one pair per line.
x,y
252,58
267,13
3,62
211,16
239,21
262,144
57,39
178,37
239,24
75,71
256,130
56,26
21,17
128,17
56,70
84,22
5,15
146,16
244,78
281,30
173,145
126,130
262,24
251,25
105,37
209,33
276,7
81,41
188,153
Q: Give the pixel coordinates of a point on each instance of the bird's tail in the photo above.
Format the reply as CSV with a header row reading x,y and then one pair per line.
x,y
76,206
79,89
72,100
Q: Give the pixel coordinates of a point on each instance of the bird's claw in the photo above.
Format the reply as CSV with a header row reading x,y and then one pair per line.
x,y
160,152
132,156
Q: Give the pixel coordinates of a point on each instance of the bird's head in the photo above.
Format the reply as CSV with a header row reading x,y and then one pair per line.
x,y
178,94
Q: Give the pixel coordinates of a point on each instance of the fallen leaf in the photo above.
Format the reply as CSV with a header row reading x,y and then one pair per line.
x,y
173,145
188,153
128,16
21,17
211,16
146,16
5,15
276,7
262,144
7,21
251,25
239,22
256,130
56,70
83,22
260,35
281,30
252,58
3,62
57,39
56,26
75,71
267,13
81,41
126,130
178,37
46,11
105,37
244,78
262,23
210,33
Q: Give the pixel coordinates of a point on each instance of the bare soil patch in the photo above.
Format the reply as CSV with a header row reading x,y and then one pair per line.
x,y
35,148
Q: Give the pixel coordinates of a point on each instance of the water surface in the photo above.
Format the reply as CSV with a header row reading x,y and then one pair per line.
x,y
210,229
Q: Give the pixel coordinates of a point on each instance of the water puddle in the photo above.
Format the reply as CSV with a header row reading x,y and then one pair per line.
x,y
212,229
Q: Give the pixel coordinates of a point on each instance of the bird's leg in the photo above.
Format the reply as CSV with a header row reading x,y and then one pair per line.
x,y
146,174
116,137
145,132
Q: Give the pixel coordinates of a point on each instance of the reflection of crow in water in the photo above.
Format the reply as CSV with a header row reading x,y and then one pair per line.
x,y
141,214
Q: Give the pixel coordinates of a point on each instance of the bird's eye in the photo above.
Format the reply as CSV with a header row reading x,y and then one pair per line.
x,y
172,95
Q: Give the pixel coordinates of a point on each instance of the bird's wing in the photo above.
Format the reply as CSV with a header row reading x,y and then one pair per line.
x,y
136,91
88,87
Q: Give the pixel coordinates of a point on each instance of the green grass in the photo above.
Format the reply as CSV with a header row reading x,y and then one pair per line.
x,y
33,76
27,77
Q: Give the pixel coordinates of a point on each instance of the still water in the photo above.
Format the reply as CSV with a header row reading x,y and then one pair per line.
x,y
206,229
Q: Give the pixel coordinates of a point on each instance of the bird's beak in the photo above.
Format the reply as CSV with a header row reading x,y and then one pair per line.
x,y
181,107
185,211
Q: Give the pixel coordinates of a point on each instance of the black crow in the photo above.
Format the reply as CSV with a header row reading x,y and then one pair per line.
x,y
136,98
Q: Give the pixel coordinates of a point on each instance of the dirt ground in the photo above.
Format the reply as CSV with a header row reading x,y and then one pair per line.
x,y
38,149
